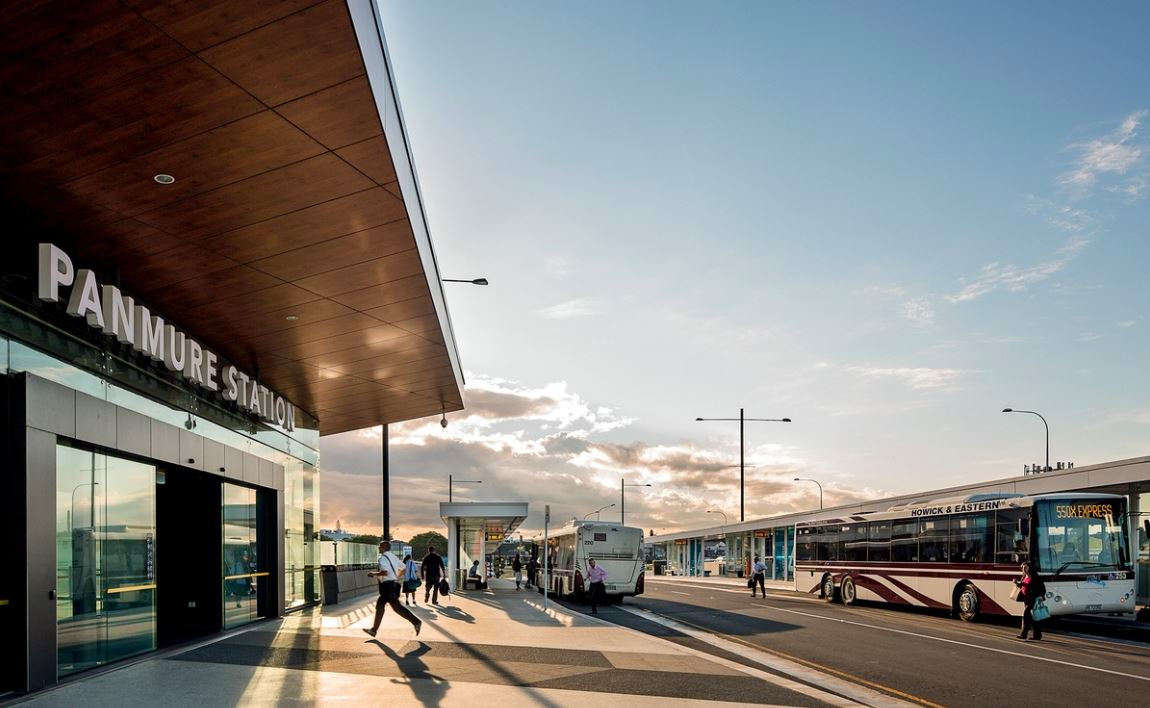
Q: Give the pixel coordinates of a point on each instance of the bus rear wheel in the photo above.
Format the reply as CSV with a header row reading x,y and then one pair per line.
x,y
848,592
830,592
966,603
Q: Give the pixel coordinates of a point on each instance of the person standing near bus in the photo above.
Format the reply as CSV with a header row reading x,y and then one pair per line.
x,y
389,576
759,577
532,570
517,568
1031,589
596,576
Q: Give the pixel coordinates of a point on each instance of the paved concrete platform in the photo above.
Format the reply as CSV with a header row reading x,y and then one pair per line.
x,y
497,646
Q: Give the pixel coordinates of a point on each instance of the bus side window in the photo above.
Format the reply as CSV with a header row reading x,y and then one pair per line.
x,y
904,541
1012,536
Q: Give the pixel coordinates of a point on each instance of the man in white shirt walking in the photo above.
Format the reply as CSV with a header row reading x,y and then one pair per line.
x,y
390,577
596,576
758,577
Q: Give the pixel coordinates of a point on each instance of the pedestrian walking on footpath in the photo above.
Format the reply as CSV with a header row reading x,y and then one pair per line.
x,y
759,577
532,570
1031,590
517,568
596,576
390,576
431,570
410,581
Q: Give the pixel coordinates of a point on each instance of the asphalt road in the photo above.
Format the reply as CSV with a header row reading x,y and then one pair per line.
x,y
912,655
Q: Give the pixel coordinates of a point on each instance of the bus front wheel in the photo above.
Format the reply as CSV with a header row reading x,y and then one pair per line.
x,y
966,603
830,592
848,592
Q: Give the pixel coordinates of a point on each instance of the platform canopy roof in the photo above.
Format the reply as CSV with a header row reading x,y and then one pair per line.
x,y
292,241
495,518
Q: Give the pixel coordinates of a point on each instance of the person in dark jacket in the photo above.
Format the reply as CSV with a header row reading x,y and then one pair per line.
x,y
432,570
517,568
1031,589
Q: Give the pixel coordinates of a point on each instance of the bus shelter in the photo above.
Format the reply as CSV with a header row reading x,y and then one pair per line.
x,y
472,528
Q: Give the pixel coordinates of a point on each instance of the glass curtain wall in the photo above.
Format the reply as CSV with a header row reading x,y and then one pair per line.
x,y
105,558
241,561
301,544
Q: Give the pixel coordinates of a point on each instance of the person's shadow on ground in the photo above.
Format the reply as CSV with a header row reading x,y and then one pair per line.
x,y
456,614
431,688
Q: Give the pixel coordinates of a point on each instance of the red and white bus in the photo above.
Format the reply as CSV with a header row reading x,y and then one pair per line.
x,y
962,554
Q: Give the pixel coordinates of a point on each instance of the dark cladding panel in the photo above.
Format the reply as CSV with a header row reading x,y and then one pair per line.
x,y
40,501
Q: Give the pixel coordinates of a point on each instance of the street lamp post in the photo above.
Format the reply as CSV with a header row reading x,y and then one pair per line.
x,y
742,466
1045,424
622,498
474,281
451,483
805,479
596,512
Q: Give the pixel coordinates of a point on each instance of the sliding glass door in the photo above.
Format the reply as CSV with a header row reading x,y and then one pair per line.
x,y
242,573
105,558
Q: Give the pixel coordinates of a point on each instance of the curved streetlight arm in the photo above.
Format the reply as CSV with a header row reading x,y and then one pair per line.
x,y
598,510
1044,424
807,479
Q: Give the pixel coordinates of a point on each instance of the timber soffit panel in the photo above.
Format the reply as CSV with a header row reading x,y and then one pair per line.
x,y
285,242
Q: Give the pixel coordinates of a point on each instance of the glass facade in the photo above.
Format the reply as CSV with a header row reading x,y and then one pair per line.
x,y
241,557
301,547
105,558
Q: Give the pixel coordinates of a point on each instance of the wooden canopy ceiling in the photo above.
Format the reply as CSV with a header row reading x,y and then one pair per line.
x,y
284,242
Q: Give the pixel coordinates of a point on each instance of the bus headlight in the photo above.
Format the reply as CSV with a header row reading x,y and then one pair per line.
x,y
1058,598
1049,595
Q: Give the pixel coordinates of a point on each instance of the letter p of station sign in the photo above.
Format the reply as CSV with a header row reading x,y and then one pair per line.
x,y
117,315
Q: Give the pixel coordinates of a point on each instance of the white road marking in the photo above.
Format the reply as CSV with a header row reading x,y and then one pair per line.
x,y
965,644
855,692
738,592
680,593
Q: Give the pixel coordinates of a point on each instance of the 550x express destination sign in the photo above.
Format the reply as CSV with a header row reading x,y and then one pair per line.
x,y
117,315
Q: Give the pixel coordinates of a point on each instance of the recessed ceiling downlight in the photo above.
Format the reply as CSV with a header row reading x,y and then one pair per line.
x,y
164,179
291,318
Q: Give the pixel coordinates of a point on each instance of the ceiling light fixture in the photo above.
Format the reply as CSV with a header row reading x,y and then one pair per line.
x,y
291,318
164,179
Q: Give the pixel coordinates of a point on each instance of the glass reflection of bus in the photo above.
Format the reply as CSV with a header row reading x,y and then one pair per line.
x,y
963,554
617,548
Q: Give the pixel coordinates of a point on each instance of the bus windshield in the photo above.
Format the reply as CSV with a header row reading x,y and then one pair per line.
x,y
1087,535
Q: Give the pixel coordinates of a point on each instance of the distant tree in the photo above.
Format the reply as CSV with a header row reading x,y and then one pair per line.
x,y
325,537
419,543
364,538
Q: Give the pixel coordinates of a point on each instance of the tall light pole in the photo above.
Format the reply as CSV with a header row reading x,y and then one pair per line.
x,y
596,512
805,479
622,498
1045,424
719,511
742,466
452,482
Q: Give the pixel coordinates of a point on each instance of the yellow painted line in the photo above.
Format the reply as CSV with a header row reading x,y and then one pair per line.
x,y
816,665
246,575
130,588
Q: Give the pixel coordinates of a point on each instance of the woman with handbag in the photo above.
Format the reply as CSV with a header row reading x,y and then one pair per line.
x,y
1031,591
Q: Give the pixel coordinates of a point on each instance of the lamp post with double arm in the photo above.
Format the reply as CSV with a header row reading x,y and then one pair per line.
x,y
742,456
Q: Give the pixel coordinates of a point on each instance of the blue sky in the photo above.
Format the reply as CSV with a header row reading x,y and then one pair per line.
x,y
884,220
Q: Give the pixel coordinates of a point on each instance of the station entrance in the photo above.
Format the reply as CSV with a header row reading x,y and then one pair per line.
x,y
151,555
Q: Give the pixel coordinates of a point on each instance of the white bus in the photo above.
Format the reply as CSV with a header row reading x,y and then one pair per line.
x,y
616,548
963,554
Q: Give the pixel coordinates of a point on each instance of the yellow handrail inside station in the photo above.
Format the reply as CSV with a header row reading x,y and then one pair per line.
x,y
130,588
246,575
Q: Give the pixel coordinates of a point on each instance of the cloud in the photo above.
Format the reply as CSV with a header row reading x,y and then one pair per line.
x,y
1012,278
544,444
1127,323
1088,337
557,266
1060,216
919,310
919,378
570,309
885,291
1115,153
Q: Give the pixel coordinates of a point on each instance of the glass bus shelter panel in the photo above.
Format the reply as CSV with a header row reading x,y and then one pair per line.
x,y
105,558
240,552
790,553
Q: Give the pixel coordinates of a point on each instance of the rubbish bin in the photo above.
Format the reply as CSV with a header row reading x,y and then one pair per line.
x,y
660,567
